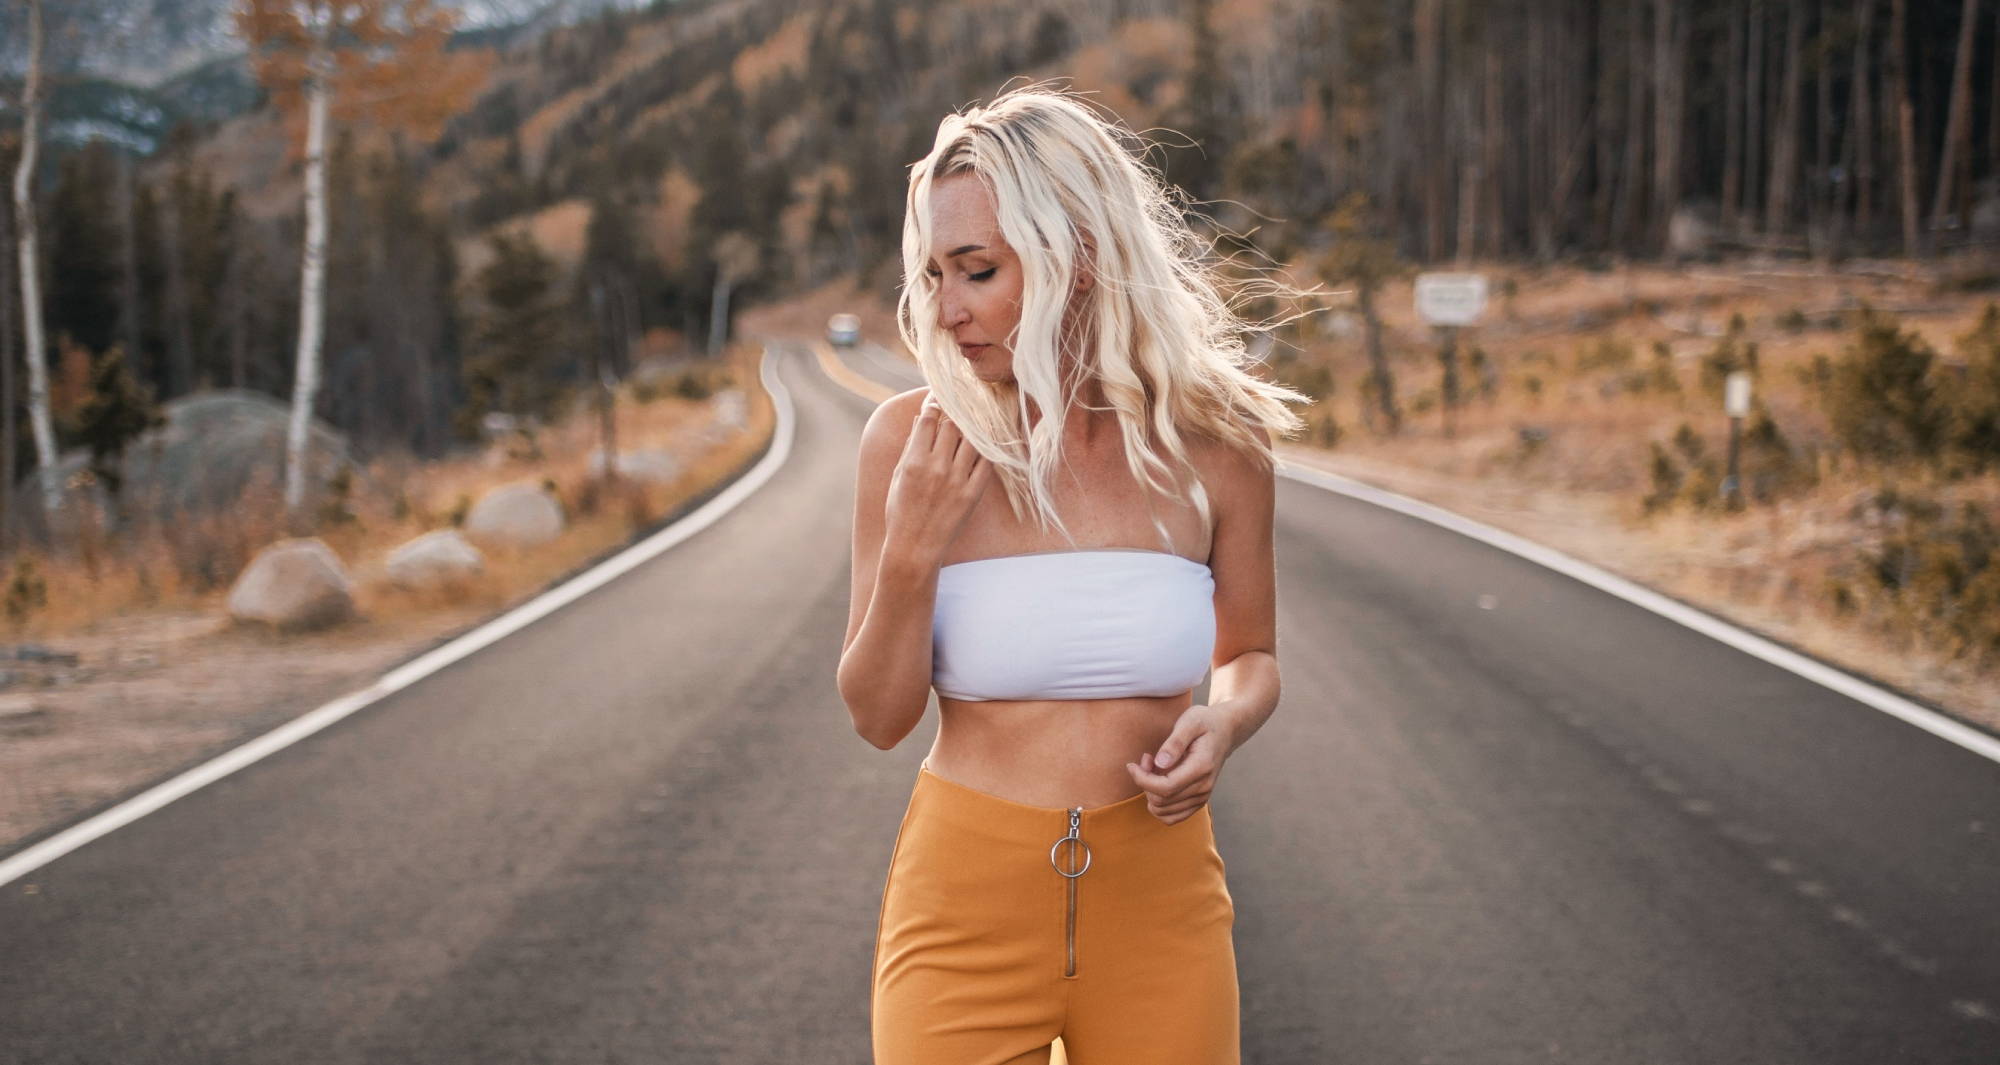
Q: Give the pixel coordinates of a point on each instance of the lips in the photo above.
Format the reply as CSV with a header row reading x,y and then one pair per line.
x,y
969,350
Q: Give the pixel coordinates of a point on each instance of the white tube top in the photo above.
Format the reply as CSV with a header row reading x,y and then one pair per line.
x,y
1096,623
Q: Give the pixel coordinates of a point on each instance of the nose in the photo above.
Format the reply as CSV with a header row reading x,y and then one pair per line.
x,y
951,311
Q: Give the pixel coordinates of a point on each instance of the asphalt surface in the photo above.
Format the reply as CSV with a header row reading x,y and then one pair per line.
x,y
1498,817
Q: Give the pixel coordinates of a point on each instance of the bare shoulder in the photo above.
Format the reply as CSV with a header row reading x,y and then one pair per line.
x,y
1226,467
888,427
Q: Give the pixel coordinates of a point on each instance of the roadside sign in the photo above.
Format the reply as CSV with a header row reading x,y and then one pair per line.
x,y
1736,393
1451,299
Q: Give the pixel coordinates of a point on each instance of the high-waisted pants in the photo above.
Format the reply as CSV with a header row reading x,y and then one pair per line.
x,y
987,950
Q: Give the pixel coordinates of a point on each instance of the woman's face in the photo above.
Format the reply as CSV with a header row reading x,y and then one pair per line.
x,y
978,275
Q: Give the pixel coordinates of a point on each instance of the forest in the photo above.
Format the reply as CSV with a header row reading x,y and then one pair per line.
x,y
625,184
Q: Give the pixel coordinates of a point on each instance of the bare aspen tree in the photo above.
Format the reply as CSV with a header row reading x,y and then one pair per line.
x,y
324,60
31,290
7,334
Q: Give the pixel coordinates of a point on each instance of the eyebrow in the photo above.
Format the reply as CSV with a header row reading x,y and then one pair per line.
x,y
956,252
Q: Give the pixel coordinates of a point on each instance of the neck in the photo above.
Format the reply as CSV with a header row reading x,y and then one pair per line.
x,y
1082,426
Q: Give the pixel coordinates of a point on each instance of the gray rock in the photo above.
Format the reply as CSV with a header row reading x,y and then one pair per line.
x,y
293,584
645,464
732,409
215,445
21,715
519,514
437,557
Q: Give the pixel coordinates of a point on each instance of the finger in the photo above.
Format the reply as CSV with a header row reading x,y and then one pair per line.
x,y
963,458
1195,762
924,430
1148,781
1183,804
1155,784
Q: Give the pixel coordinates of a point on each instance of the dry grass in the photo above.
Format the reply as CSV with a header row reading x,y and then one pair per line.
x,y
164,678
1581,488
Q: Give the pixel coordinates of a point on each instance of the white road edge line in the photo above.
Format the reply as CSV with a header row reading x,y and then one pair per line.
x,y
1743,640
69,839
1972,739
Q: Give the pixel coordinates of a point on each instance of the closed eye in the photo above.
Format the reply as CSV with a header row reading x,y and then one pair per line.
x,y
982,275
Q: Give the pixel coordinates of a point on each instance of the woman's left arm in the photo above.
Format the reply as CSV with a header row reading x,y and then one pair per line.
x,y
1243,690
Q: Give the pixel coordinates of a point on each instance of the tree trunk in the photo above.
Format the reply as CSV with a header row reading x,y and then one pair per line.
x,y
1668,57
1753,119
1906,122
1993,112
1492,129
129,310
173,255
7,515
1378,359
1861,124
1732,125
1632,184
312,282
1819,202
1430,143
1958,127
30,260
718,313
1785,145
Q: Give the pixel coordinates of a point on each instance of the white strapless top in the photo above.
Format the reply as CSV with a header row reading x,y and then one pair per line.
x,y
1096,623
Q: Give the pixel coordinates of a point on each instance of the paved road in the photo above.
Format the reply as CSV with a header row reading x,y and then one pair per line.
x,y
1561,828
642,830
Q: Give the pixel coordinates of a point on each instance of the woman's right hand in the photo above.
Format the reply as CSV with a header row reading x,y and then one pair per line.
x,y
937,481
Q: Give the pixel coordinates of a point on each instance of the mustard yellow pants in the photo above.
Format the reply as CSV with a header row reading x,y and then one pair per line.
x,y
988,950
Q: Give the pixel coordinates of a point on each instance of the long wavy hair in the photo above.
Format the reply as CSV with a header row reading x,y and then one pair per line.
x,y
1158,327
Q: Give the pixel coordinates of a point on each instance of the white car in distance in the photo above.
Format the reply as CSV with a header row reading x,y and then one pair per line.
x,y
843,330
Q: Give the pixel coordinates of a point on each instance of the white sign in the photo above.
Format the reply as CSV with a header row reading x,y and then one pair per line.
x,y
1451,299
1736,393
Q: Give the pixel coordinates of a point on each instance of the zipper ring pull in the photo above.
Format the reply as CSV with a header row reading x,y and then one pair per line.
x,y
1075,840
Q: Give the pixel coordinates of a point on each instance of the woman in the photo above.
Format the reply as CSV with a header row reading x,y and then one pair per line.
x,y
1055,874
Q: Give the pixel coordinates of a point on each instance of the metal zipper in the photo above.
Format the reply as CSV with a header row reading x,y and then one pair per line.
x,y
1075,840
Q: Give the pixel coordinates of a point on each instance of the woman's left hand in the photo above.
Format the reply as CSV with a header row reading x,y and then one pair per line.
x,y
1179,779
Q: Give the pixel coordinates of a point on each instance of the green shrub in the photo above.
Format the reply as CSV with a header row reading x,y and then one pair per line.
x,y
1731,353
1881,399
1666,477
1606,352
1973,403
26,591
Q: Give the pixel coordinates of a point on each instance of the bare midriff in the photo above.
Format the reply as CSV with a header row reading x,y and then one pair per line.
x,y
1051,752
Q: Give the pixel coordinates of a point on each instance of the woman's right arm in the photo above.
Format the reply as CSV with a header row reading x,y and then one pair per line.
x,y
914,484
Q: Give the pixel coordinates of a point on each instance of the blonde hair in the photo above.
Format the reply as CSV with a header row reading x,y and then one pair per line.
x,y
1158,327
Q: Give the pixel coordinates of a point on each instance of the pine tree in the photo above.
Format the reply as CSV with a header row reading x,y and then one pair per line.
x,y
520,344
118,410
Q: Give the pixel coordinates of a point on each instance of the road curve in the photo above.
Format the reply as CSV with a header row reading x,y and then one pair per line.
x,y
1498,817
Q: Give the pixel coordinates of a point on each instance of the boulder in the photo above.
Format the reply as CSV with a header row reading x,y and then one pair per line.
x,y
518,514
441,556
732,409
24,715
645,464
214,445
1691,232
292,585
